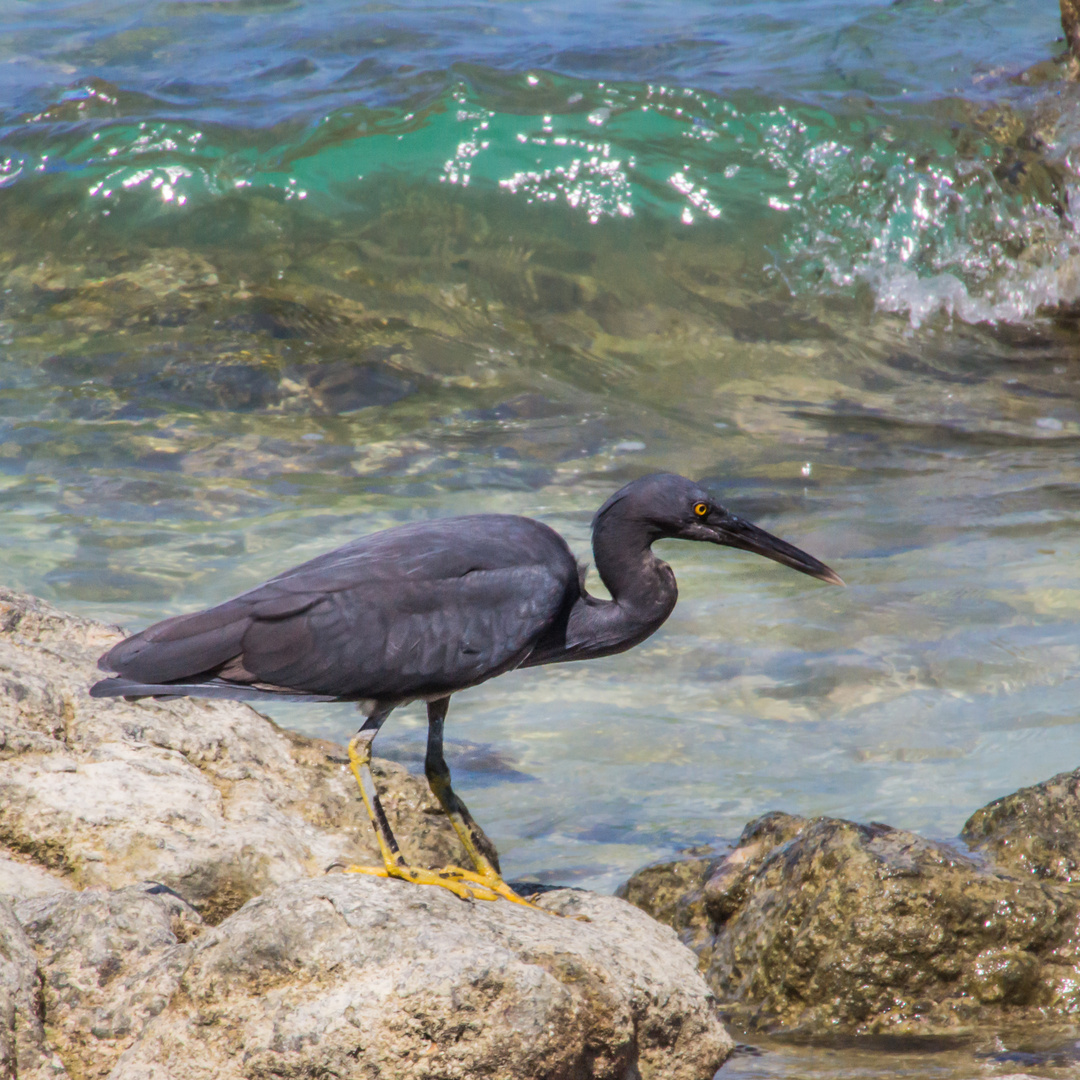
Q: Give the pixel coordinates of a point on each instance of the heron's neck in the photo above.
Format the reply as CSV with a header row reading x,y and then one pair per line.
x,y
643,594
642,587
630,571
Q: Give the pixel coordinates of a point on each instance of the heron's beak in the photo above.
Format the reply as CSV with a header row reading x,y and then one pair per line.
x,y
734,532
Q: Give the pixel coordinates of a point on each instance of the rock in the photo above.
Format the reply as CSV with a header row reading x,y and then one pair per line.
x,y
169,270
349,976
1070,23
1036,830
47,274
209,798
103,973
825,926
24,1051
19,878
110,962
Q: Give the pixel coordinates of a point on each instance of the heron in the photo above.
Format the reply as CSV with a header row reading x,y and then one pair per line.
x,y
423,610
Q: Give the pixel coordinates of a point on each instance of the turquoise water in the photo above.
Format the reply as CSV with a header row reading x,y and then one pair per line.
x,y
855,142
276,274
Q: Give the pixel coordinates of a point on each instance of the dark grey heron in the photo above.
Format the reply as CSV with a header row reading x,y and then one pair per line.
x,y
423,610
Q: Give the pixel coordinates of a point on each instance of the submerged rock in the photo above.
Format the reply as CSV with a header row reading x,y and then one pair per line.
x,y
358,977
825,926
210,798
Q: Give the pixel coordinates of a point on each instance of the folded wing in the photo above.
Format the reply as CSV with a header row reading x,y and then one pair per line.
x,y
414,611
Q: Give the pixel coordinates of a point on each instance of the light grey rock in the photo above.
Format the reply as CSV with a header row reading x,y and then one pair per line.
x,y
109,961
108,975
210,798
24,1051
22,878
349,976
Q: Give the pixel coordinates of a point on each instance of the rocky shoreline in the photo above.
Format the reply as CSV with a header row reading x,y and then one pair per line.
x,y
165,912
819,926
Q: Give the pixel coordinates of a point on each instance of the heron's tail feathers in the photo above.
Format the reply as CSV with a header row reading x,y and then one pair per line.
x,y
179,647
212,688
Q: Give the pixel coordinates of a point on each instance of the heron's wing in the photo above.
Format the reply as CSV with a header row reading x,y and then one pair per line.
x,y
409,612
418,638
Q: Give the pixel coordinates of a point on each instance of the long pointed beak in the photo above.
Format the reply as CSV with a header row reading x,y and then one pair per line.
x,y
733,532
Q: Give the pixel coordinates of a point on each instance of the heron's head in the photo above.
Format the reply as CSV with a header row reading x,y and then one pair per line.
x,y
669,506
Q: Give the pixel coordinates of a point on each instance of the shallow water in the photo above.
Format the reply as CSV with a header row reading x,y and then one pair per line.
x,y
1051,1059
276,274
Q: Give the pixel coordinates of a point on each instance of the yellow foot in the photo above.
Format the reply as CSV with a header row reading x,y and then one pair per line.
x,y
468,884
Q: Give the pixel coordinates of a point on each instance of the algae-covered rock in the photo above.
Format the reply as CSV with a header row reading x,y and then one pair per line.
x,y
1035,830
210,798
360,977
823,925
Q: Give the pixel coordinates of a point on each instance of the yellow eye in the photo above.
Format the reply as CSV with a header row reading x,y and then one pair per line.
x,y
701,509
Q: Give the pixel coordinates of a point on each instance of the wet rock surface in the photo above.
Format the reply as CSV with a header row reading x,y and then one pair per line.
x,y
240,957
1070,23
1035,830
823,926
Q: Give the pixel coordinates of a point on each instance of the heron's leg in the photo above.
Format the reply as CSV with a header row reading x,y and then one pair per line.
x,y
360,764
481,850
393,863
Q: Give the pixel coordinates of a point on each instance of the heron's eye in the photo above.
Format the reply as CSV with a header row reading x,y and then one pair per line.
x,y
701,509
